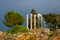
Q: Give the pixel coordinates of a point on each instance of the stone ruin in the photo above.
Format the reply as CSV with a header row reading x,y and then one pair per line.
x,y
39,19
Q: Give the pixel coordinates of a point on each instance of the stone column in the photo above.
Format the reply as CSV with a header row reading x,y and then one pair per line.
x,y
38,21
41,21
31,21
27,21
44,24
34,21
39,17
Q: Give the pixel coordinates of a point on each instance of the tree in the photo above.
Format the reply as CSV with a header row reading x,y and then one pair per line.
x,y
53,19
13,18
33,11
59,25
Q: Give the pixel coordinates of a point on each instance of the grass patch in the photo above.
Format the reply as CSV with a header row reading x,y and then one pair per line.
x,y
51,34
17,29
30,38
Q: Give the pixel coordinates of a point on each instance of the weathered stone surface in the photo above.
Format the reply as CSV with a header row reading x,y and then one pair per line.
x,y
2,35
36,34
56,36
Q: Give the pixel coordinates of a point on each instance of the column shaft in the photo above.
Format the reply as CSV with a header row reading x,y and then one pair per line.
x,y
34,21
38,21
31,21
39,17
27,21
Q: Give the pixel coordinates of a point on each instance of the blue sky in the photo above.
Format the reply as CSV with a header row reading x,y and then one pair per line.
x,y
25,6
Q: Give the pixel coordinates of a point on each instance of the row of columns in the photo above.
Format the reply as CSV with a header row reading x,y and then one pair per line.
x,y
27,22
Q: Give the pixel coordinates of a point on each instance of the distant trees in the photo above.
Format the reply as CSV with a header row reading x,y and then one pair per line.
x,y
13,18
53,19
33,11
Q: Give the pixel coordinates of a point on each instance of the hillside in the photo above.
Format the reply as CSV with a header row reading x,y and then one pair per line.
x,y
35,34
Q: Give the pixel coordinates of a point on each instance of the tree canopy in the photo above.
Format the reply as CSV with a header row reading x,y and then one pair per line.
x,y
13,18
53,19
33,11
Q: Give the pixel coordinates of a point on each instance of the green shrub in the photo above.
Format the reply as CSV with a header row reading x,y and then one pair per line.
x,y
17,29
9,32
52,29
30,38
51,34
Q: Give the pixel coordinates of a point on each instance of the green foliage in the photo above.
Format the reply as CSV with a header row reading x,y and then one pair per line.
x,y
17,29
53,19
13,18
9,32
49,17
51,34
52,29
33,11
31,38
59,25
